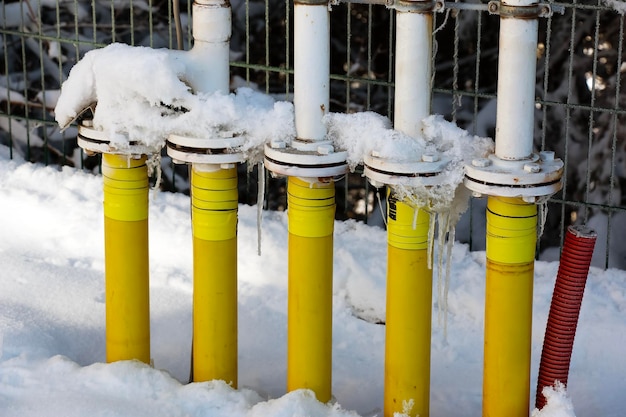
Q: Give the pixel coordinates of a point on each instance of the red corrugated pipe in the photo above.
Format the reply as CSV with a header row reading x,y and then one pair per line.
x,y
565,308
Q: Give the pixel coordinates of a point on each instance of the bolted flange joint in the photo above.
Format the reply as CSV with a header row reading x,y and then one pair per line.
x,y
533,179
420,172
94,141
308,159
223,150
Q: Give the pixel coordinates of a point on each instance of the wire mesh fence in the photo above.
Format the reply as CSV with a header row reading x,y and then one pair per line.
x,y
580,94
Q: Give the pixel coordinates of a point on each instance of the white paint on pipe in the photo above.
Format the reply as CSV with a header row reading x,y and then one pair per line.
x,y
516,88
207,63
311,69
413,71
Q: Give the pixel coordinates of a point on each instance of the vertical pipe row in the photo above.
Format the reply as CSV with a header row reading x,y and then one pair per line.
x,y
214,205
409,280
511,230
311,211
125,185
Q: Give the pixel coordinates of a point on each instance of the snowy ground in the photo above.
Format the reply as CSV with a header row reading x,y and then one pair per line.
x,y
52,317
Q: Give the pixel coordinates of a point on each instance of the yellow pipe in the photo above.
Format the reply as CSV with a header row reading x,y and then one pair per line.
x,y
408,317
511,239
214,200
309,329
125,183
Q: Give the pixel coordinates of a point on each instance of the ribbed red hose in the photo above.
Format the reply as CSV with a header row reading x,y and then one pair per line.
x,y
565,308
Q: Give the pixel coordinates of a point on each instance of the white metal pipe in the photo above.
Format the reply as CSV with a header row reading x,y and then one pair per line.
x,y
413,71
516,86
207,63
311,69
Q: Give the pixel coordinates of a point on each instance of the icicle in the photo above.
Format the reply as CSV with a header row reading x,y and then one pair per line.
x,y
153,163
542,207
260,202
380,205
431,239
449,245
443,222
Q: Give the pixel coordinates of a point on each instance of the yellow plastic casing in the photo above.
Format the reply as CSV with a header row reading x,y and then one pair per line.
x,y
311,211
511,241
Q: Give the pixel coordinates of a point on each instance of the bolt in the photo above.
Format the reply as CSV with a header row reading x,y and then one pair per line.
x,y
476,194
529,199
430,157
532,168
493,7
325,149
88,122
546,155
278,144
227,166
178,161
376,154
481,162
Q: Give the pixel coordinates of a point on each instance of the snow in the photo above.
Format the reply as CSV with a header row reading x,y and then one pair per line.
x,y
618,5
122,80
52,317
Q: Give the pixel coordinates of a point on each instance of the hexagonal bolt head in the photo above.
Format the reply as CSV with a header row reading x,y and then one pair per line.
x,y
476,194
430,157
532,168
325,149
278,144
227,166
481,162
530,199
546,155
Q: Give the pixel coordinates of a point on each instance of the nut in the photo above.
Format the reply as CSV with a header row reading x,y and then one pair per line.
x,y
430,157
325,149
532,168
546,155
481,162
278,144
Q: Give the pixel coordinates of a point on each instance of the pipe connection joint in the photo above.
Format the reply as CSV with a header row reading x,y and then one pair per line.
x,y
534,179
223,151
423,172
305,158
94,141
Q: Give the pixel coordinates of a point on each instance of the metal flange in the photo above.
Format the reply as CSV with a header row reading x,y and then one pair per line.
x,y
416,6
305,159
532,11
225,149
531,179
94,141
425,172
